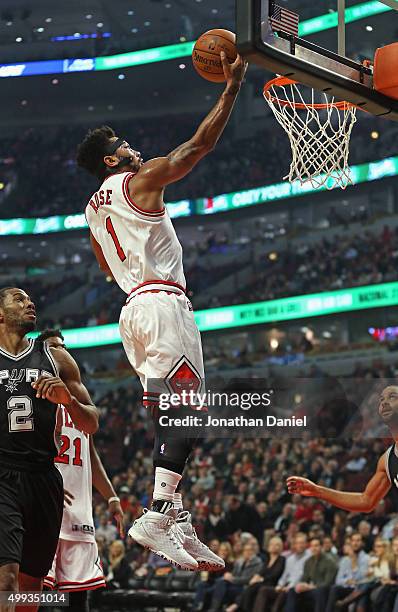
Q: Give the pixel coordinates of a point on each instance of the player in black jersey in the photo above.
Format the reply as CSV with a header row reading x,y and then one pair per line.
x,y
386,475
34,380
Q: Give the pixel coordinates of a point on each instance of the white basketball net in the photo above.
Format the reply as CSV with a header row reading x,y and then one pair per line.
x,y
319,137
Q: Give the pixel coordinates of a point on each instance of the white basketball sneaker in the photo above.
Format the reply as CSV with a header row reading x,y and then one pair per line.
x,y
206,559
160,533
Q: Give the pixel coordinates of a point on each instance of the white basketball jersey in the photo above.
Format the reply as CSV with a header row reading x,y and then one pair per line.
x,y
138,245
74,463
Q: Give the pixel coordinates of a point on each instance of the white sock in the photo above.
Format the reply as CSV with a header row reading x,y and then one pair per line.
x,y
166,483
177,501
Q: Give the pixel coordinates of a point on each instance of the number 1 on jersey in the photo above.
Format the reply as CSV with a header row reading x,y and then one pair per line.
x,y
111,230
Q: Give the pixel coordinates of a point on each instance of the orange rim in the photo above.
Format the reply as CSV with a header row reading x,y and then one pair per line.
x,y
280,81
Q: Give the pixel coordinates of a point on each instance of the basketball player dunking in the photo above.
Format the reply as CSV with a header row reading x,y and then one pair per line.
x,y
34,380
76,568
386,475
134,241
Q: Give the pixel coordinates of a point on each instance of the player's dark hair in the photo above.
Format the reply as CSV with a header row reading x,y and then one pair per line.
x,y
3,293
92,150
50,333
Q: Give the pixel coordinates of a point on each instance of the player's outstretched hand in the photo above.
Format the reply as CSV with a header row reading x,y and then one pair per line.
x,y
302,486
234,72
116,510
53,389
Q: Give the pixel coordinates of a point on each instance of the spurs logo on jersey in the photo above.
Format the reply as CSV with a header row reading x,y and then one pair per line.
x,y
11,378
74,463
138,245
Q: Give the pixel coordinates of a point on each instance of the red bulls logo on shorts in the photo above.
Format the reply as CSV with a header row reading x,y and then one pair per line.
x,y
185,381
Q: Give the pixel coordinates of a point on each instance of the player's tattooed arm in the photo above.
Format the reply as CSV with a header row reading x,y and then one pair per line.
x,y
162,171
67,389
104,486
376,489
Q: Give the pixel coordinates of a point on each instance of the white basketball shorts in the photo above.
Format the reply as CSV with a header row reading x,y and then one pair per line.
x,y
162,343
76,567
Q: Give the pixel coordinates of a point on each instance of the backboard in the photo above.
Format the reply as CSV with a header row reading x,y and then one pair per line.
x,y
298,57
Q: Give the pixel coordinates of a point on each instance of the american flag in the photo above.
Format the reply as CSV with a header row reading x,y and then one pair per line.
x,y
283,20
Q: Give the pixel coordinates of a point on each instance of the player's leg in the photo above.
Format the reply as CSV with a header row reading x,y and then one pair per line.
x,y
79,570
156,529
11,531
50,581
29,584
147,327
170,455
8,582
165,327
190,368
174,363
43,507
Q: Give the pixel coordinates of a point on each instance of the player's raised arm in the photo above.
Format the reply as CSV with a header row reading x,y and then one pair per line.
x,y
67,389
161,171
377,488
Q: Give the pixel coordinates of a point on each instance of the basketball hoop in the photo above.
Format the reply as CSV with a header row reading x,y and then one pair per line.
x,y
319,133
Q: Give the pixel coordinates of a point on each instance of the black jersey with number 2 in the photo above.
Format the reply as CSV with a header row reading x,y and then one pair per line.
x,y
28,424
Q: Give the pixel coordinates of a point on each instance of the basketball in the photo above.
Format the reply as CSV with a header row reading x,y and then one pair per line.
x,y
206,54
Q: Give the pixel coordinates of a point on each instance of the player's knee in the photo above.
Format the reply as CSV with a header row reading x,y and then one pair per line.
x,y
171,454
8,578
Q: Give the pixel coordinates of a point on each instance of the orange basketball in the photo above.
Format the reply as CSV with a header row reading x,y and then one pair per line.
x,y
206,53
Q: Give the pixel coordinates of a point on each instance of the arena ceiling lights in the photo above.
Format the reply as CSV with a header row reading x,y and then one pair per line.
x,y
168,52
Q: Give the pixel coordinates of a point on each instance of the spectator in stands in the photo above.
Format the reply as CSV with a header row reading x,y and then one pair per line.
x,y
390,529
215,525
304,511
274,507
119,570
284,519
330,549
242,517
318,520
232,583
206,587
274,597
387,598
353,568
106,529
357,461
378,518
269,575
377,574
319,572
365,530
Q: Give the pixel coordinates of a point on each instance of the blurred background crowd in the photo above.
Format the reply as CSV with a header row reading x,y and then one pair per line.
x,y
282,552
